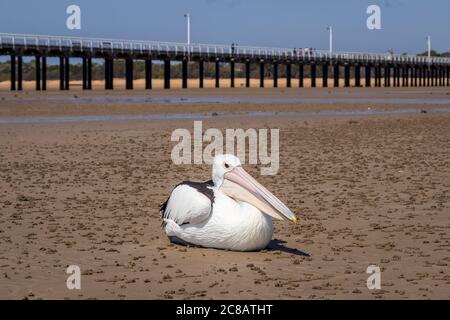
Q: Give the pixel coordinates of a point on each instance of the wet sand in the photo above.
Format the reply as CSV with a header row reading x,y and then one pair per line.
x,y
367,190
137,102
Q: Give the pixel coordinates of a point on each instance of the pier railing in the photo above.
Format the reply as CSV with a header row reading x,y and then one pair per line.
x,y
104,45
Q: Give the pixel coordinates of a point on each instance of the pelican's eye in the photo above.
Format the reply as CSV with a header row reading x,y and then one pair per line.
x,y
226,165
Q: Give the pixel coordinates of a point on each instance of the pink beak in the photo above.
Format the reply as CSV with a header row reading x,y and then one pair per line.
x,y
239,185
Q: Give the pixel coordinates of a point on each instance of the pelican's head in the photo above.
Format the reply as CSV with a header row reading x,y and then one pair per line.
x,y
230,178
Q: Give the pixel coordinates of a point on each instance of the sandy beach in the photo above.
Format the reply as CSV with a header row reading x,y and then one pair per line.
x,y
368,190
176,83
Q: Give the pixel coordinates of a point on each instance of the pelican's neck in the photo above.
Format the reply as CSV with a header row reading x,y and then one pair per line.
x,y
217,179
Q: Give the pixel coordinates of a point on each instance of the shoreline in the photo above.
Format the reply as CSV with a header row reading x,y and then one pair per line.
x,y
17,120
55,103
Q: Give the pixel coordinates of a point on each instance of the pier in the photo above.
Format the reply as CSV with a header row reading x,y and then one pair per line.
x,y
361,69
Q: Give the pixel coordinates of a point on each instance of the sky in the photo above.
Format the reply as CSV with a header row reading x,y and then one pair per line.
x,y
282,23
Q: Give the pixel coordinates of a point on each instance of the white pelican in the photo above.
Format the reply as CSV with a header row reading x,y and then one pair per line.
x,y
232,211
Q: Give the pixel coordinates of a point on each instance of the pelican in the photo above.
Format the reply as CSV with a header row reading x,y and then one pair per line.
x,y
232,211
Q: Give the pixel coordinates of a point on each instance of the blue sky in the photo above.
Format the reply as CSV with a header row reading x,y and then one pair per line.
x,y
282,23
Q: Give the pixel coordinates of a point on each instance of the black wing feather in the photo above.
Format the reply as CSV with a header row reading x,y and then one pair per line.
x,y
202,187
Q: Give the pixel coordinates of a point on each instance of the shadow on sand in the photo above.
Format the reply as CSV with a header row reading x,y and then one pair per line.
x,y
274,245
278,245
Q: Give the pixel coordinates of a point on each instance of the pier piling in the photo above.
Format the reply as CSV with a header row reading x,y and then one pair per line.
x,y
288,74
217,73
61,73
89,73
313,75
247,74
275,74
67,73
44,73
201,73
167,74
184,73
84,73
19,73
368,76
387,70
336,75
13,72
325,75
347,75
261,74
301,75
232,67
37,63
129,74
357,75
148,74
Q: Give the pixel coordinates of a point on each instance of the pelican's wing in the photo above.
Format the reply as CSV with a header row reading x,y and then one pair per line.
x,y
189,202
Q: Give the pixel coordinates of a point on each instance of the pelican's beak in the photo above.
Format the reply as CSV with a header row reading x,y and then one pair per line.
x,y
239,185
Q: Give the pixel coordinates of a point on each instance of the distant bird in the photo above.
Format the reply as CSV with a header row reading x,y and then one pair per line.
x,y
232,211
